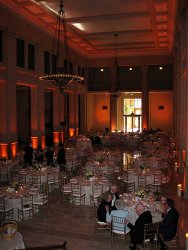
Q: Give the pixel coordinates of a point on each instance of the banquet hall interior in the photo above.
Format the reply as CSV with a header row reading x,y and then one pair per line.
x,y
108,81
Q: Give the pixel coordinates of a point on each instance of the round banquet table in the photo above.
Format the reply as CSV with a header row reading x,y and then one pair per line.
x,y
12,244
87,186
84,143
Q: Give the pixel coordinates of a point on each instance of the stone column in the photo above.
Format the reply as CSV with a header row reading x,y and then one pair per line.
x,y
145,98
8,130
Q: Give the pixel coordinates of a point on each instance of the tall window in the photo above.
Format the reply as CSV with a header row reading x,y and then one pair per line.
x,y
20,53
54,67
1,45
46,62
31,57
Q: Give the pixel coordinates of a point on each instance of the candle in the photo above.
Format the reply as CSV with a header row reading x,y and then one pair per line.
x,y
179,190
186,243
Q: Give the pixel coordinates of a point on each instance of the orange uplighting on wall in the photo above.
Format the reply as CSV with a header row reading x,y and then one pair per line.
x,y
34,141
43,141
62,137
56,137
4,150
113,127
71,132
77,131
183,156
14,148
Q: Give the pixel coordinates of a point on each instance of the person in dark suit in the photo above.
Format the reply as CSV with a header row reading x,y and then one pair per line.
x,y
115,195
28,155
49,156
61,160
104,207
137,230
168,227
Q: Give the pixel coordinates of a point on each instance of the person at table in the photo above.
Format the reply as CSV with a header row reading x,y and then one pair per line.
x,y
104,207
28,154
61,160
115,195
160,206
120,212
137,230
39,154
168,227
49,156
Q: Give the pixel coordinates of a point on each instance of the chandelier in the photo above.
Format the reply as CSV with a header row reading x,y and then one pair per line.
x,y
115,74
61,76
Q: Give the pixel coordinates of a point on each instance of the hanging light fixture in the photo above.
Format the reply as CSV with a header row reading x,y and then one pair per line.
x,y
115,74
61,76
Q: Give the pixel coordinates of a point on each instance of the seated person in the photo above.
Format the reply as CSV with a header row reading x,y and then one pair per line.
x,y
104,207
115,195
151,197
168,227
160,206
119,212
137,230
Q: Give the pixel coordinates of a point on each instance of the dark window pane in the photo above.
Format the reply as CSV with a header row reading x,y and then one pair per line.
x,y
20,53
31,57
1,45
54,64
46,62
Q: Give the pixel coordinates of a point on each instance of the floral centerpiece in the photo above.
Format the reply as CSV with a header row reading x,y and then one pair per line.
x,y
15,185
141,193
37,166
88,175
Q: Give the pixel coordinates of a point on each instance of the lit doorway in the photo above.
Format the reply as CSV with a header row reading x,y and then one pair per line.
x,y
132,110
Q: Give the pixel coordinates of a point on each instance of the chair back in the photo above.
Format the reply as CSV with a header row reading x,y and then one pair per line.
x,y
76,189
27,201
2,204
118,224
151,232
97,189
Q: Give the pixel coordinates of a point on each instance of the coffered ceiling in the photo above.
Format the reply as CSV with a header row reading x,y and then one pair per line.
x,y
144,27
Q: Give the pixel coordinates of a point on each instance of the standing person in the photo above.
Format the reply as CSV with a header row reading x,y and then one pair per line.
x,y
137,230
168,227
61,160
49,156
39,155
28,155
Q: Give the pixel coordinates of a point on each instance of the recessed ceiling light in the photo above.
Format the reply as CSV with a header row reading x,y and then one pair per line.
x,y
78,26
160,68
102,70
130,68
